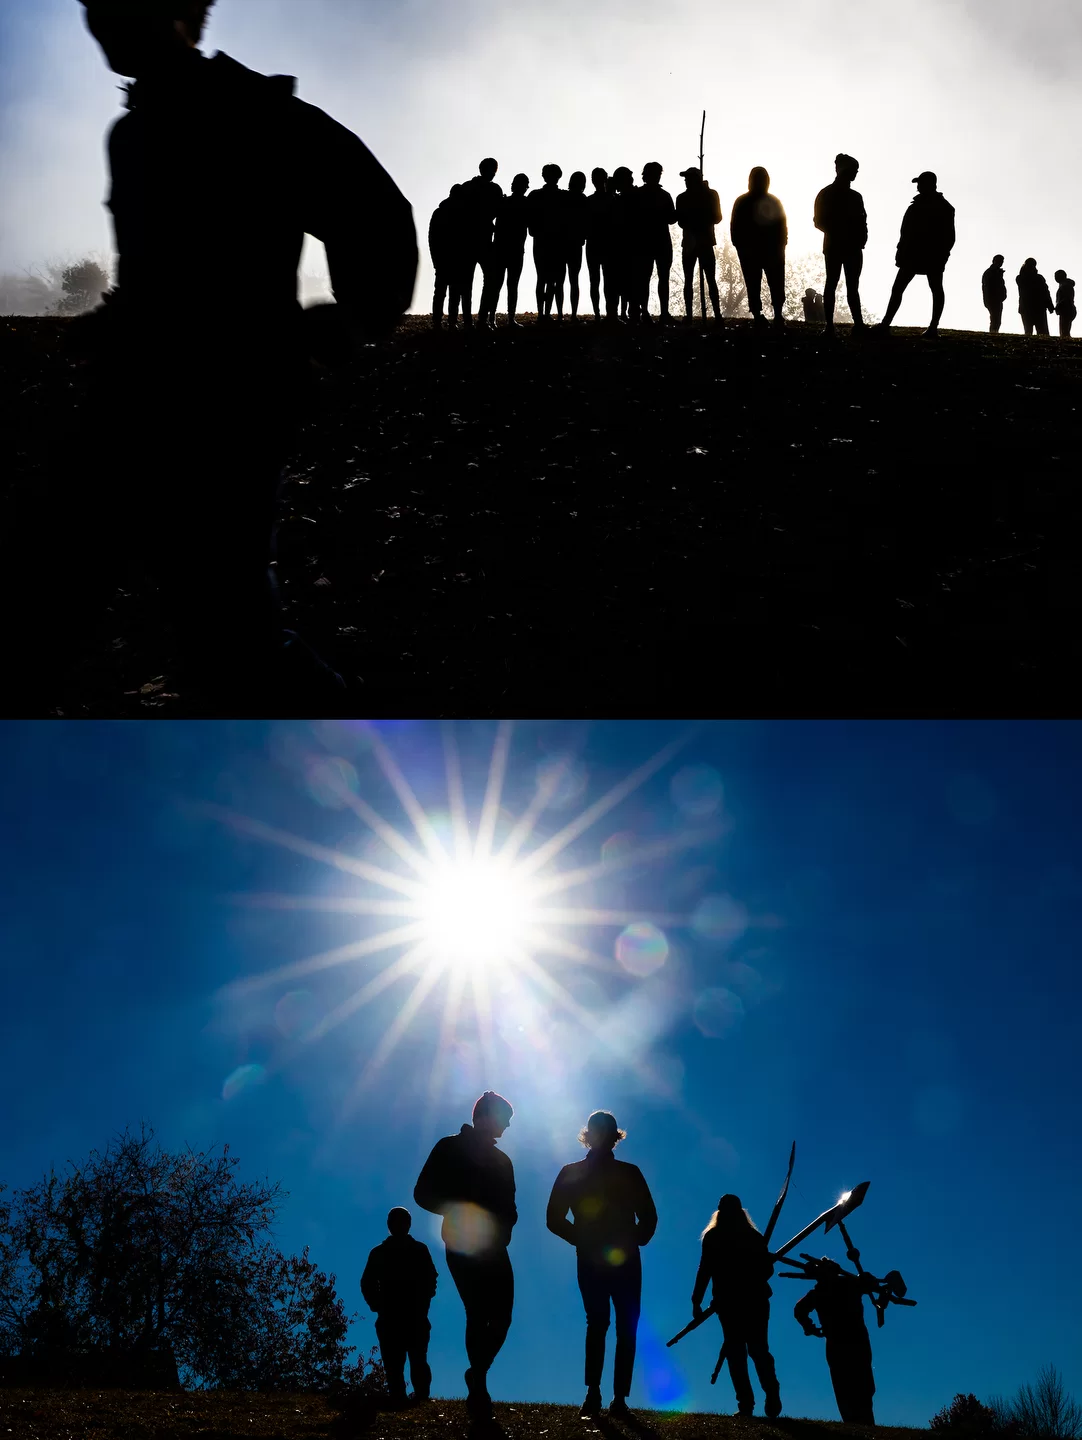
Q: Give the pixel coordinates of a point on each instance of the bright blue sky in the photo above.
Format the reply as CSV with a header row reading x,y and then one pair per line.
x,y
901,925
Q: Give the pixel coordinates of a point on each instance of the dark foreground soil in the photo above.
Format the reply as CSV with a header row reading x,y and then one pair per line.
x,y
588,521
117,1415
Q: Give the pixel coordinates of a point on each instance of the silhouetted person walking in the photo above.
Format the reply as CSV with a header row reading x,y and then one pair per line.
x,y
654,212
760,234
508,253
472,1185
736,1262
444,244
994,291
481,198
398,1283
613,1217
1034,301
698,211
600,226
574,235
1065,304
838,1299
195,405
924,248
840,214
625,254
547,225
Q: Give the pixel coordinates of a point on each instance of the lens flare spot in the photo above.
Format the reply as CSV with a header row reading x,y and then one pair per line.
x,y
721,918
245,1077
563,780
641,949
294,1012
616,849
717,1012
469,1229
696,791
615,1256
330,781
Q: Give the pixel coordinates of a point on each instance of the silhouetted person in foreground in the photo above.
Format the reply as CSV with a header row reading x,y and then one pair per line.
x,y
472,1185
814,309
194,406
547,225
654,212
838,1300
508,253
625,253
574,235
760,234
481,198
698,210
994,291
600,241
736,1262
840,214
1034,301
1065,304
444,246
398,1283
924,248
613,1216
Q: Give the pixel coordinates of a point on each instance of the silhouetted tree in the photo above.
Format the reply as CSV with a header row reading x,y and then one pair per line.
x,y
1046,1409
965,1415
801,271
83,285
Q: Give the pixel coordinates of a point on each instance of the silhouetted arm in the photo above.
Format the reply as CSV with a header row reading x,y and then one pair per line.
x,y
556,1213
370,1286
819,218
363,219
702,1279
430,1190
431,1274
784,225
670,217
715,201
802,1311
644,1210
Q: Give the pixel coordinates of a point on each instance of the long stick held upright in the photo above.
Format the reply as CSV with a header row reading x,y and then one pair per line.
x,y
702,177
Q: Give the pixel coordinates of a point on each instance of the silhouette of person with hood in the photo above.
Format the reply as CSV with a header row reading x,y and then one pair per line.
x,y
840,214
613,1216
760,233
547,225
625,239
814,309
481,198
838,1300
736,1263
1065,304
574,235
698,211
1034,301
994,291
654,212
445,245
924,248
197,405
600,223
398,1283
508,253
471,1183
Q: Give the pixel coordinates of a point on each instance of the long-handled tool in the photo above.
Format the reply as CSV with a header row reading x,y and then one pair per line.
x,y
702,277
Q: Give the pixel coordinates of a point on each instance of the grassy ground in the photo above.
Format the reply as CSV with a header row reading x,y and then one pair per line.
x,y
118,1415
584,521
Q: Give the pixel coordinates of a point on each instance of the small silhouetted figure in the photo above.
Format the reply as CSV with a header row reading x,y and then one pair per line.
x,y
814,309
1034,301
195,403
760,233
613,1216
398,1283
924,248
508,253
444,243
698,210
625,252
480,198
1065,304
840,214
600,240
472,1185
736,1262
994,291
654,212
838,1300
545,214
574,235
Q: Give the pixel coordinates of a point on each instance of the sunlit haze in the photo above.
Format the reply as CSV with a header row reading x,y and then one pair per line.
x,y
984,92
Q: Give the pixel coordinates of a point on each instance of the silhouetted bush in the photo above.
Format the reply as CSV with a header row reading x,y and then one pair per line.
x,y
965,1415
83,285
1045,1409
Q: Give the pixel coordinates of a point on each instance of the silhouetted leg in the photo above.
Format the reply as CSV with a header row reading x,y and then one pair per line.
x,y
850,1362
830,288
627,1302
487,1288
757,1324
439,296
853,264
900,284
594,1289
574,266
490,294
663,260
593,267
1042,323
708,262
935,284
775,279
609,284
390,1333
514,271
559,270
417,1338
736,1357
539,271
1065,323
469,269
752,269
995,318
689,258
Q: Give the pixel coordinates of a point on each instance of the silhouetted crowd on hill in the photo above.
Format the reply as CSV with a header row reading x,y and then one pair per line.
x,y
623,230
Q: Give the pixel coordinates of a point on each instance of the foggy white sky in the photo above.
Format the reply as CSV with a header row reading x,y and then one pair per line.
x,y
984,92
